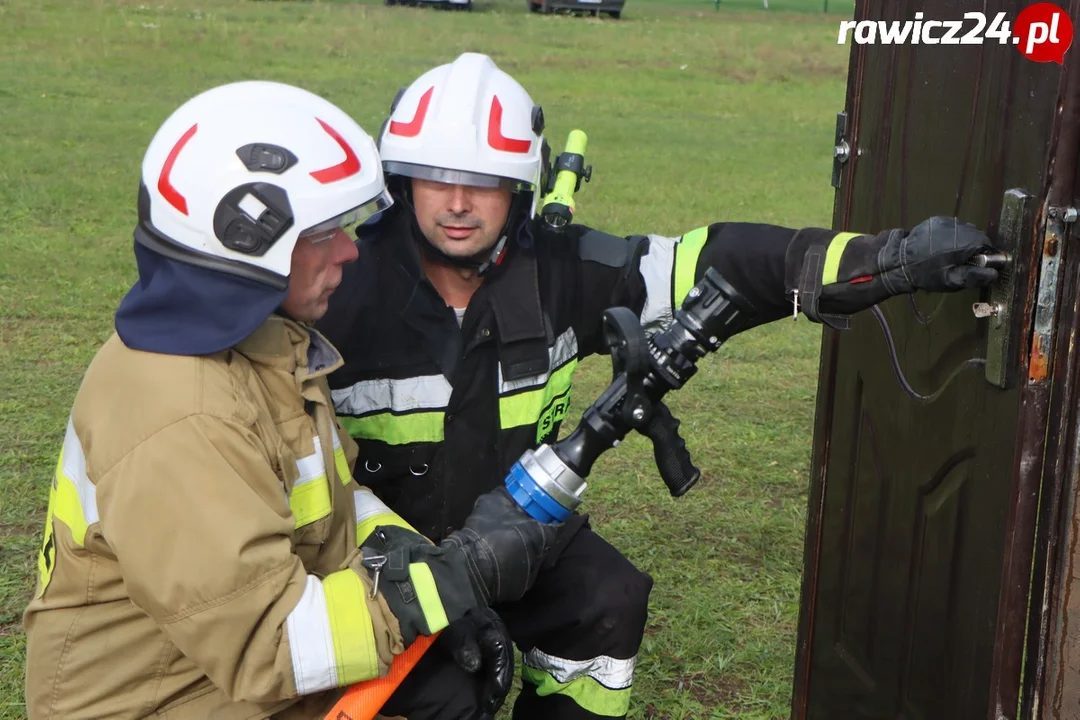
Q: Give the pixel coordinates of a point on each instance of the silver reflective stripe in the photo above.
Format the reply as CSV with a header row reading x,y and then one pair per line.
x,y
454,177
310,643
656,269
608,671
74,469
368,506
311,467
563,351
427,392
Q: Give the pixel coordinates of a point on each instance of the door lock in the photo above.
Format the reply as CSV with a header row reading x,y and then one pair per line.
x,y
1002,335
998,261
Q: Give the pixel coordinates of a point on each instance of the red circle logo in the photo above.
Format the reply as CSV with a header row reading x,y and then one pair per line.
x,y
1043,32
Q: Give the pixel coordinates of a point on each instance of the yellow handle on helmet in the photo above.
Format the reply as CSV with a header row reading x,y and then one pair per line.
x,y
557,207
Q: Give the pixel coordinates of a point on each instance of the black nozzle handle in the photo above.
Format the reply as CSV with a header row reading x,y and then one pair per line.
x,y
669,449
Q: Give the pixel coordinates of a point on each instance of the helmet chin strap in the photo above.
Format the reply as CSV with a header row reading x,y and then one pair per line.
x,y
482,267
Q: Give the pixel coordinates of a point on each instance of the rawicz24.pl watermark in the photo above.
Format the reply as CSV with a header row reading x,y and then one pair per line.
x,y
1041,32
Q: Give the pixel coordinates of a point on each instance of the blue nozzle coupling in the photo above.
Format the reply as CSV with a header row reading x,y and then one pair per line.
x,y
531,498
543,486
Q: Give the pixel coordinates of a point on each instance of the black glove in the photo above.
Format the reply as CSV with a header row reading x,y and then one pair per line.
x,y
494,558
480,643
871,268
933,257
426,587
505,546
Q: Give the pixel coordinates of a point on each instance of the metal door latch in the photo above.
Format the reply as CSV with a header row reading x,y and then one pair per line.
x,y
1002,339
1046,292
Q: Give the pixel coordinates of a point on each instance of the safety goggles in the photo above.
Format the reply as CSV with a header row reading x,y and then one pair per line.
x,y
348,221
455,177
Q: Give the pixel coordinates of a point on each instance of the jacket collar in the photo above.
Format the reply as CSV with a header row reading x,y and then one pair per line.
x,y
524,332
284,344
511,292
514,294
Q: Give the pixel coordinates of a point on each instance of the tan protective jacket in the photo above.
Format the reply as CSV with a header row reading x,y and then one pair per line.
x,y
199,556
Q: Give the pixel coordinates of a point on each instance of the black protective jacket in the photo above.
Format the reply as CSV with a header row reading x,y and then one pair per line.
x,y
441,413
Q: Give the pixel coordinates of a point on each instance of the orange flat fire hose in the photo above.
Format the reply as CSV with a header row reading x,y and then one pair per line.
x,y
363,701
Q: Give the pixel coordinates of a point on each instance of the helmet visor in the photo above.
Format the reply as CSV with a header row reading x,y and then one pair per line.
x,y
347,221
455,177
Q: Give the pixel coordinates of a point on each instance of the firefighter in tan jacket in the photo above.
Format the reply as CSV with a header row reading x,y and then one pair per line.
x,y
200,554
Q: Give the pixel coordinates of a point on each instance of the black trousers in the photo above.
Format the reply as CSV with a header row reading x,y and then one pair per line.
x,y
588,601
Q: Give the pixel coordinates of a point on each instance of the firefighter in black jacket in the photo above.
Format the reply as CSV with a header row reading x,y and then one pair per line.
x,y
463,321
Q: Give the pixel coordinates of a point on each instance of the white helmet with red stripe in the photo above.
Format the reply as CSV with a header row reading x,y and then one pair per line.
x,y
238,173
466,123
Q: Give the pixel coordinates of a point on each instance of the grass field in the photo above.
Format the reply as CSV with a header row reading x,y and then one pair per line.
x,y
693,115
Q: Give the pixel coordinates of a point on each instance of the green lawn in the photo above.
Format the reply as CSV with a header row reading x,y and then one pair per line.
x,y
693,115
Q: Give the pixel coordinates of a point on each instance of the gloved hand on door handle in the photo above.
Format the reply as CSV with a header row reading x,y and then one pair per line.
x,y
832,275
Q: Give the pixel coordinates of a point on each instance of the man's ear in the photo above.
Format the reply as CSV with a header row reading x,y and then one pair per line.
x,y
400,187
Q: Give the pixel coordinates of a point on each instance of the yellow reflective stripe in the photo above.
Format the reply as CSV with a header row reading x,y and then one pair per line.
x,y
428,595
687,251
368,525
47,556
311,501
832,257
396,429
72,501
341,463
68,507
525,408
586,692
350,627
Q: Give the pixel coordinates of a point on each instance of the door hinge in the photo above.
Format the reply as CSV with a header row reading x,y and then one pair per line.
x,y
841,148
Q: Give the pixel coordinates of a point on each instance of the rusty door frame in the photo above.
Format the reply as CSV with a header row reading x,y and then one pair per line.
x,y
1055,557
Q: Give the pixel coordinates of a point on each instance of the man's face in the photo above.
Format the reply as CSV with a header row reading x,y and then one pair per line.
x,y
315,274
460,220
